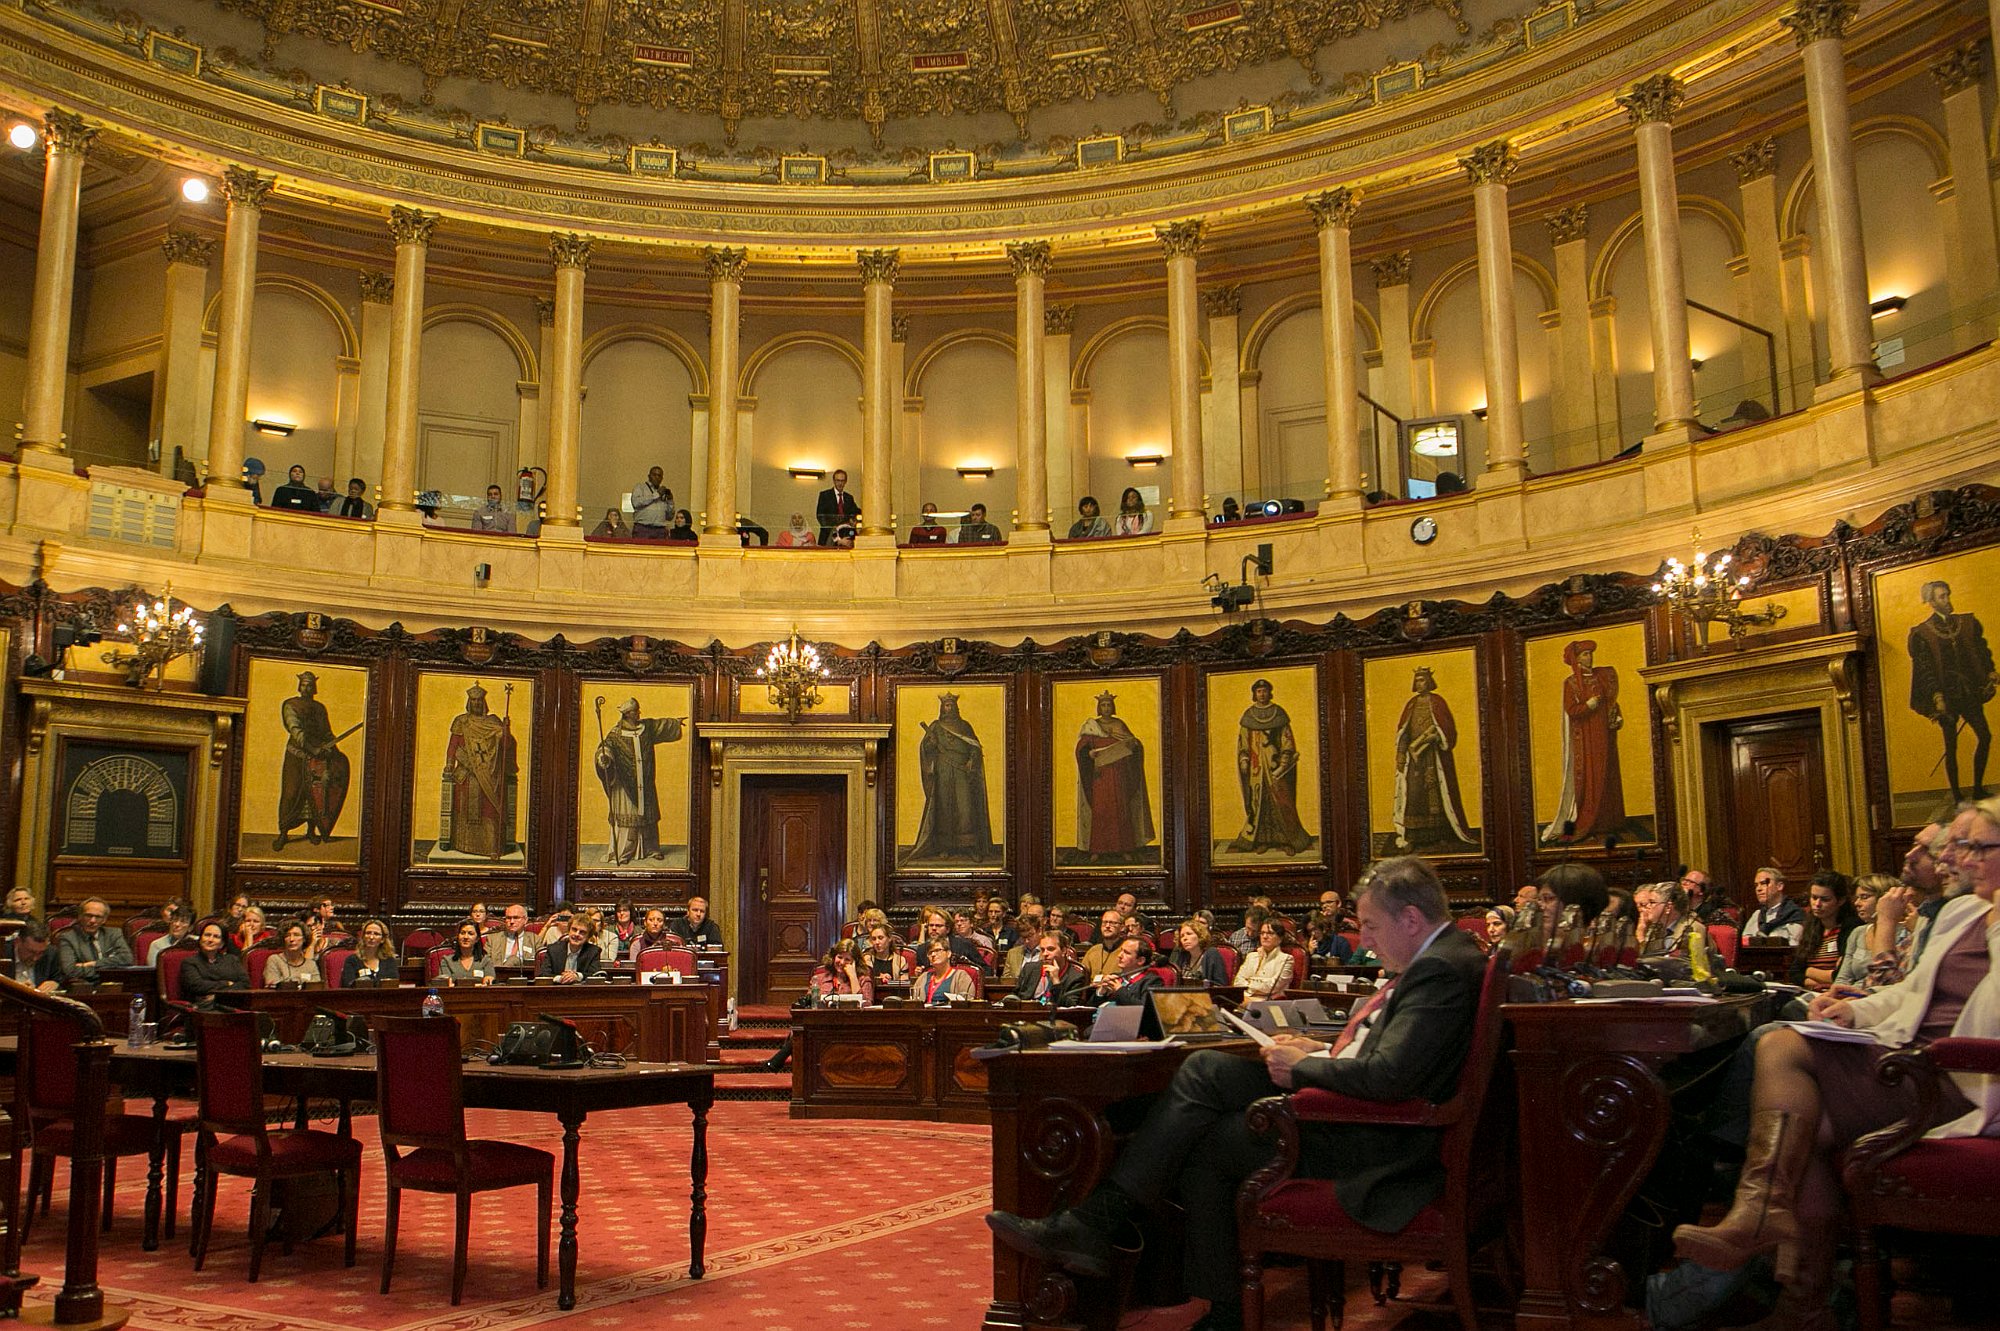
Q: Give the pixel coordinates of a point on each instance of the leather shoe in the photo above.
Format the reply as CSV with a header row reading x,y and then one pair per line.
x,y
1061,1240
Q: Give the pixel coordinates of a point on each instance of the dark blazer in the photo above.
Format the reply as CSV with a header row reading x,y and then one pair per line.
x,y
1067,988
1383,1176
556,960
350,973
202,979
1133,991
706,934
836,508
964,952
72,949
45,968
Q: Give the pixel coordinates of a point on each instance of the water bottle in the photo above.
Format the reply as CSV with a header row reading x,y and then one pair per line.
x,y
137,1018
433,1005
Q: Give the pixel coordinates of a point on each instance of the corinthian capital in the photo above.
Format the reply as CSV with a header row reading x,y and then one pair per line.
x,y
1181,238
410,227
1391,270
1334,207
899,328
545,311
1567,224
1755,160
725,265
65,132
569,250
1490,163
1220,301
1960,69
246,189
1817,20
1058,320
377,288
188,247
1656,98
1030,259
879,265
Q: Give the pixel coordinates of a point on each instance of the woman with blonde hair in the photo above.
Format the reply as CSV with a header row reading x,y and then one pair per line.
x,y
373,961
1196,961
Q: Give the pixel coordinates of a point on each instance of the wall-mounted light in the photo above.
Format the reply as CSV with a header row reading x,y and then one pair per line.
x,y
1695,364
23,135
194,189
1887,305
972,473
806,473
1479,412
282,429
1145,459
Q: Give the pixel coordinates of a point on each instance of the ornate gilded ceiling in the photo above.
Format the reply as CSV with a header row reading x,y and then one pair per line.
x,y
867,60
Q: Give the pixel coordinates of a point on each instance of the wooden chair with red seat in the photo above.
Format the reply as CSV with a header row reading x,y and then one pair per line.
x,y
421,1101
1301,971
680,959
1897,1177
435,958
45,1100
234,1138
1725,937
419,942
256,957
1276,1212
652,959
332,963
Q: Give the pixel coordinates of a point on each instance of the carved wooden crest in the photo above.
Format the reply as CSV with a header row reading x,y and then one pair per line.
x,y
1104,649
1263,638
951,657
1416,624
1927,521
638,654
1578,601
313,633
479,646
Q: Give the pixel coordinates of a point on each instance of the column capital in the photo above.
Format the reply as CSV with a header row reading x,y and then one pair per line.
x,y
188,247
1819,20
545,311
1568,224
66,132
569,250
1391,270
377,288
1180,238
245,188
725,264
408,226
1490,163
1755,160
899,328
1058,320
1653,99
1030,258
1223,301
1960,69
879,266
1334,207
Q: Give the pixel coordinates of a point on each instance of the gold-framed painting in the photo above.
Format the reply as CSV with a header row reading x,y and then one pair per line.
x,y
1590,738
1425,756
305,762
1263,754
634,776
1108,773
473,755
951,776
1936,667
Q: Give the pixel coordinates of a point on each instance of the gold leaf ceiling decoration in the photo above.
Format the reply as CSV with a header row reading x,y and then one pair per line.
x,y
866,60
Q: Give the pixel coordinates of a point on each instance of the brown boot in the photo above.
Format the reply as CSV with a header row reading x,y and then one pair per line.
x,y
1761,1218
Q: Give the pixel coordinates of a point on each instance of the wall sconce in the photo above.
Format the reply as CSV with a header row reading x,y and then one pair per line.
x,y
282,429
806,473
1145,459
1887,305
978,473
1695,364
1479,412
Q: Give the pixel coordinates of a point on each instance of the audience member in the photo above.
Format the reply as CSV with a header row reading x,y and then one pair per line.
x,y
840,971
295,494
213,969
1450,483
1664,922
515,944
250,930
1778,918
995,925
1052,977
1127,904
1831,920
974,529
885,956
20,905
178,923
613,524
373,962
938,929
293,964
356,504
1266,972
1878,953
837,508
1194,960
34,962
1705,903
749,533
253,479
87,946
495,515
1500,923
653,933
1133,519
683,529
652,507
929,531
1103,954
325,495
1131,977
1231,510
1253,923
695,928
1569,887
1090,524
1926,885
468,963
941,981
477,914
557,927
574,955
798,536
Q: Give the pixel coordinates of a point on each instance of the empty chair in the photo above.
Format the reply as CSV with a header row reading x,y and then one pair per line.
x,y
420,1099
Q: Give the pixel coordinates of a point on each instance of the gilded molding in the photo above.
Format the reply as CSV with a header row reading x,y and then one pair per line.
x,y
410,227
545,311
1491,163
1960,69
1568,224
1222,301
377,288
1653,99
725,265
1030,258
569,250
1391,270
188,247
1180,239
246,189
1819,20
1756,160
66,132
879,266
1334,207
1058,320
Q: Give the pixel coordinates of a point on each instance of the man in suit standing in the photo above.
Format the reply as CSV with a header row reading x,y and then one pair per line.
x,y
514,945
1408,1042
573,956
1054,979
87,947
837,509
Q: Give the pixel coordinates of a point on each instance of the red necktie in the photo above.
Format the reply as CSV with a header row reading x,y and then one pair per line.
x,y
1042,985
1360,1018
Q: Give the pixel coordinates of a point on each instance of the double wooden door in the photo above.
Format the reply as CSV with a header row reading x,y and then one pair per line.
x,y
1772,805
793,884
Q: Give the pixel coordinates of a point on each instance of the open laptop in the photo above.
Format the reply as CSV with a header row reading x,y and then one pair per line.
x,y
1116,1022
1186,1015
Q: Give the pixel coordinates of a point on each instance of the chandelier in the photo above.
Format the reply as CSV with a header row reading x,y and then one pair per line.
x,y
792,672
159,632
1706,591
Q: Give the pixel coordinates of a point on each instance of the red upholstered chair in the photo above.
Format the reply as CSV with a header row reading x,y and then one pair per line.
x,y
1725,937
681,959
435,958
1230,959
254,959
169,969
1081,928
909,960
421,1099
1472,924
652,959
142,943
332,963
1301,971
1276,1212
233,1138
1897,1178
419,942
45,1100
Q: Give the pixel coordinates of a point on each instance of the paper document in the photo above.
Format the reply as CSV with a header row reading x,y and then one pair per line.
x,y
1245,1027
1835,1034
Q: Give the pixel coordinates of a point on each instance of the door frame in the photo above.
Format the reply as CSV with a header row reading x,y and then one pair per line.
x,y
1695,697
736,749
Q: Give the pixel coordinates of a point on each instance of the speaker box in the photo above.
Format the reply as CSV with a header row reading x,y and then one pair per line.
x,y
218,653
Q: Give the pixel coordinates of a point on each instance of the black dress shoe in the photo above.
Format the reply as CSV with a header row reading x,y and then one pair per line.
x,y
1061,1240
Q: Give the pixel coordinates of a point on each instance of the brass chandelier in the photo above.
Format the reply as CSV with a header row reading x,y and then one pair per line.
x,y
1706,591
792,673
159,633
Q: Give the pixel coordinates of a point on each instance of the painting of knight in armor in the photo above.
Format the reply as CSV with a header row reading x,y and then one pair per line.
x,y
1932,644
472,763
305,751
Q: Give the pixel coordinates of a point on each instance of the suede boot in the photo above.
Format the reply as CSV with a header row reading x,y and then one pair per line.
x,y
1761,1218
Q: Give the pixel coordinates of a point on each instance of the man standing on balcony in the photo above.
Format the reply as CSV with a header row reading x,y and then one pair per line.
x,y
837,508
652,507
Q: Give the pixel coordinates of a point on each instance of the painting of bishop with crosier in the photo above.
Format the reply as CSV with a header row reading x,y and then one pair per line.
x,y
632,779
470,762
1938,680
304,747
1425,769
951,782
1263,766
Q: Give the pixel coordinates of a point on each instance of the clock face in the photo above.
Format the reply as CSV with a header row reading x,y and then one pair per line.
x,y
1424,530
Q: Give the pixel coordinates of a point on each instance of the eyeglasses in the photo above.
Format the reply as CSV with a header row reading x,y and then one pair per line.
x,y
1977,849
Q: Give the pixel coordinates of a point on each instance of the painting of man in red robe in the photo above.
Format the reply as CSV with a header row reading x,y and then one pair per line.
x,y
1592,804
1114,815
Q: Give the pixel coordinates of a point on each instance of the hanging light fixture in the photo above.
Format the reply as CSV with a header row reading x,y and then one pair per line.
x,y
792,673
1707,591
159,633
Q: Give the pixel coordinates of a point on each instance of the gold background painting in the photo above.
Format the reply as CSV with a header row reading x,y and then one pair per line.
x,y
1800,604
753,698
1074,702
984,708
344,692
1918,789
1296,689
1385,688
672,777
440,697
1622,647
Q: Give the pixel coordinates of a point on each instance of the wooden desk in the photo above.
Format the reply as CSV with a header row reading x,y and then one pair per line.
x,y
907,1062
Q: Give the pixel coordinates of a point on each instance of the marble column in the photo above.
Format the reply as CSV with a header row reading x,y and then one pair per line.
x,y
1650,105
177,386
1818,26
1574,398
1069,472
1182,241
570,253
378,293
1763,301
66,142
1222,418
229,407
1333,216
412,233
1975,261
545,356
1031,387
1489,167
879,269
725,303
1392,312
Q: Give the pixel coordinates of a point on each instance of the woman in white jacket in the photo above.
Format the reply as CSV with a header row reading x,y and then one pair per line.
x,y
1814,1096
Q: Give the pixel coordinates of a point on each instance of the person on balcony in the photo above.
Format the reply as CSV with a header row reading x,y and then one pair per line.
x,y
976,530
356,504
652,507
1133,519
612,525
683,529
494,515
1090,524
929,531
798,536
295,494
838,509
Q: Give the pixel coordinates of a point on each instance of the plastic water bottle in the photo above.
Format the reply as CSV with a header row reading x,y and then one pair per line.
x,y
433,1005
133,1032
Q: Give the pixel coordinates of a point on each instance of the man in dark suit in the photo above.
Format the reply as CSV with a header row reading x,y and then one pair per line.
x,y
1131,978
1066,980
87,946
1406,1043
837,508
1951,681
33,961
571,957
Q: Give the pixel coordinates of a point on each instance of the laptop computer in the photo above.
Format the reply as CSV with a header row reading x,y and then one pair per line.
x,y
1116,1022
1187,1015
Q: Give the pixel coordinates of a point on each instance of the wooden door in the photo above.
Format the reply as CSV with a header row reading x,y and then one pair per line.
x,y
794,881
1772,802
